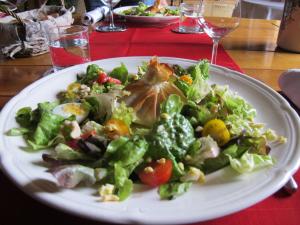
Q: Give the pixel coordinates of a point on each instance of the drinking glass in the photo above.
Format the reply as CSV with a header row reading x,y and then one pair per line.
x,y
68,46
218,18
111,27
189,15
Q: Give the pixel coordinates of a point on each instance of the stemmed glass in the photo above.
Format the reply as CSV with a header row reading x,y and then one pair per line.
x,y
218,18
111,27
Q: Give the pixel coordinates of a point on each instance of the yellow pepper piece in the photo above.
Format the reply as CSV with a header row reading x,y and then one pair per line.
x,y
187,79
217,129
73,87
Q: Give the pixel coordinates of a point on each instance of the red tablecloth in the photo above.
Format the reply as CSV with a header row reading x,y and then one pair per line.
x,y
155,41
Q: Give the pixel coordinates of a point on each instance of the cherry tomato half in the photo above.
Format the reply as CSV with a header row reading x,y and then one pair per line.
x,y
102,77
88,134
161,173
113,80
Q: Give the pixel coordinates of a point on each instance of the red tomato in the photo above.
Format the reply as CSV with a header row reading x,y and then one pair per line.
x,y
161,173
87,134
114,80
102,78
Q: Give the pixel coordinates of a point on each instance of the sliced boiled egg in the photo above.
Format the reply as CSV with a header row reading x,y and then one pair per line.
x,y
68,109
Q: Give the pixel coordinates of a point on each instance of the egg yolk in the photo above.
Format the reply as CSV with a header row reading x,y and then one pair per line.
x,y
73,109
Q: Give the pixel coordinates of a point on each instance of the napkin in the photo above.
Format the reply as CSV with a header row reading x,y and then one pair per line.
x,y
289,83
95,15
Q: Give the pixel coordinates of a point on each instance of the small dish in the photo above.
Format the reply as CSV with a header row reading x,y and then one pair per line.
x,y
289,83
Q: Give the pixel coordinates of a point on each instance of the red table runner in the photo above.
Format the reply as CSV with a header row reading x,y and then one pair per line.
x,y
154,41
276,210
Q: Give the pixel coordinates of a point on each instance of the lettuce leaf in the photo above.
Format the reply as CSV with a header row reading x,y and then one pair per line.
x,y
17,131
237,105
120,73
64,152
42,125
183,86
122,156
172,190
47,128
235,151
125,190
171,138
124,113
92,73
24,117
125,151
92,126
174,134
250,162
199,88
197,114
172,105
123,184
102,106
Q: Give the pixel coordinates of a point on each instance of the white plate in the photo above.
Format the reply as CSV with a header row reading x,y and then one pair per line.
x,y
224,192
146,19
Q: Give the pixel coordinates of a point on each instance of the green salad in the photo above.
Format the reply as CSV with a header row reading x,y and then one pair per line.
x,y
164,126
143,10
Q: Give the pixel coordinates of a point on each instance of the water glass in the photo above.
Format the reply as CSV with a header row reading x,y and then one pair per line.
x,y
68,46
189,15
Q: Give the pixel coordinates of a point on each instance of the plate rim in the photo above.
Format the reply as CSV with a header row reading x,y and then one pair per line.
x,y
291,167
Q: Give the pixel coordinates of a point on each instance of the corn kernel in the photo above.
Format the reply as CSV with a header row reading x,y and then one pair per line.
x,y
165,116
135,77
188,158
193,174
161,161
107,189
148,169
110,198
181,165
199,129
201,179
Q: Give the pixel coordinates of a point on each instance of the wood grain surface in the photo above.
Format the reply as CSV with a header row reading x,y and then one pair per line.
x,y
252,45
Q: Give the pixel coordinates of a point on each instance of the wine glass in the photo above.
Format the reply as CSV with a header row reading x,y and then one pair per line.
x,y
218,18
111,27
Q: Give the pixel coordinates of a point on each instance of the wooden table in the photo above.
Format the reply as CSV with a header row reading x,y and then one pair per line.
x,y
252,46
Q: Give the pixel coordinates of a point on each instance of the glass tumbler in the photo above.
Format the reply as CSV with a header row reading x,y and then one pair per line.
x,y
189,16
68,46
